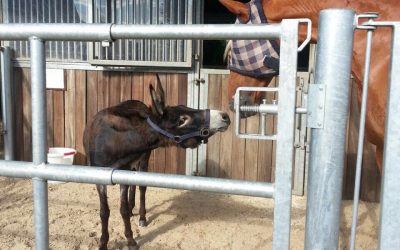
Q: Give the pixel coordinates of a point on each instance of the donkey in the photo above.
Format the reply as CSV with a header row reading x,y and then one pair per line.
x,y
123,136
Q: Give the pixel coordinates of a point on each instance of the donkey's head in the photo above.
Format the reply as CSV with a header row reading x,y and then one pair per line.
x,y
185,126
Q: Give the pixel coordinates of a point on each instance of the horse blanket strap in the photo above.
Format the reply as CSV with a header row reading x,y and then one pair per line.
x,y
204,132
255,58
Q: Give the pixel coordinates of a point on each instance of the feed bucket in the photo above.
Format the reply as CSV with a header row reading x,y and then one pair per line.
x,y
60,156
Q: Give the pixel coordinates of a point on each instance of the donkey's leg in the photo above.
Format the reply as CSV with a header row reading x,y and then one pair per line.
x,y
142,210
131,200
143,164
126,215
104,215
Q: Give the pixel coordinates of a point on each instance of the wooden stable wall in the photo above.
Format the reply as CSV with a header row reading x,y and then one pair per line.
x,y
86,93
230,157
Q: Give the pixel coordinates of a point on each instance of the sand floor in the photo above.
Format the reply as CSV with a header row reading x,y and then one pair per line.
x,y
177,219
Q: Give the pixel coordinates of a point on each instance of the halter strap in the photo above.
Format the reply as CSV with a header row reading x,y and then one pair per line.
x,y
204,132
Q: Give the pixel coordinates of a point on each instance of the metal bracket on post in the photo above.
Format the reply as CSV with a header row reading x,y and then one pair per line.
x,y
316,106
262,109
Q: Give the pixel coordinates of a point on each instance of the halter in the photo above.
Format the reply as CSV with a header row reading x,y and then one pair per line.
x,y
204,132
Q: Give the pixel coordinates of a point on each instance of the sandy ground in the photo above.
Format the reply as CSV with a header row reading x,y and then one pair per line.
x,y
177,219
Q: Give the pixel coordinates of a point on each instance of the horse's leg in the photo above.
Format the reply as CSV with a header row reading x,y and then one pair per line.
x,y
379,158
131,198
104,215
142,210
126,215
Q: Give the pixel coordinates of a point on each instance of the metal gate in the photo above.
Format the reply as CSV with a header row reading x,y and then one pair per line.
x,y
330,91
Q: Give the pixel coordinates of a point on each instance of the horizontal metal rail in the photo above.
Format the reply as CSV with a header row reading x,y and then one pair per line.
x,y
268,109
108,176
109,32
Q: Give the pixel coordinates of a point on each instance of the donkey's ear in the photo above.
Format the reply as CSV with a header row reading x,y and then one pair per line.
x,y
157,98
241,10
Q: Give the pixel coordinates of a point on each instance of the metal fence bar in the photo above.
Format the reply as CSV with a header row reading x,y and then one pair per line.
x,y
360,146
285,134
39,142
335,42
101,32
108,176
389,236
196,31
7,106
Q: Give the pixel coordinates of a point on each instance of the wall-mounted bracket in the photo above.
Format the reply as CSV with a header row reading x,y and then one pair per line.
x,y
316,106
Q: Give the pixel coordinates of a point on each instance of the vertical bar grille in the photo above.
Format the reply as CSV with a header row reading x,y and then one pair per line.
x,y
51,11
142,12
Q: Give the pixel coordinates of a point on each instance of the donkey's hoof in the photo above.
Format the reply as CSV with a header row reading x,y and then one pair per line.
x,y
142,223
132,245
135,247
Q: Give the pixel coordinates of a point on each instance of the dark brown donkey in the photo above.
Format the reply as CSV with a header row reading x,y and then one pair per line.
x,y
124,135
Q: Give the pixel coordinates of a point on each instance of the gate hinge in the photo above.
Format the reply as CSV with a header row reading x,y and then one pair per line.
x,y
316,106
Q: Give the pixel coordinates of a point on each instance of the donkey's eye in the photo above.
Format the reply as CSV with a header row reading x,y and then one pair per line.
x,y
183,120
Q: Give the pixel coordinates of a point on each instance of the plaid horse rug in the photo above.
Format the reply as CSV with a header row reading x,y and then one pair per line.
x,y
255,58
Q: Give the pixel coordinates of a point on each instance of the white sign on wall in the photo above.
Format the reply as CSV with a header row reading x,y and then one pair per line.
x,y
55,79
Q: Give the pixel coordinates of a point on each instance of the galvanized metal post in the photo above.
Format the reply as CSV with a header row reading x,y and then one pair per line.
x,y
327,149
7,104
39,141
285,134
389,235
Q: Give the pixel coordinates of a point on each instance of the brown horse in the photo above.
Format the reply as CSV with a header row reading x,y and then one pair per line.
x,y
389,10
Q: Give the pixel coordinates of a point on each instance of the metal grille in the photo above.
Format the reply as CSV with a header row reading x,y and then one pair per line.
x,y
48,11
143,52
120,52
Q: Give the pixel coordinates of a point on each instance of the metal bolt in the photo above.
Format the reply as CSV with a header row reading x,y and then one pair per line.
x,y
319,124
320,107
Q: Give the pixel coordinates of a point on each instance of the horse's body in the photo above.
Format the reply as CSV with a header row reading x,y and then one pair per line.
x,y
123,136
389,10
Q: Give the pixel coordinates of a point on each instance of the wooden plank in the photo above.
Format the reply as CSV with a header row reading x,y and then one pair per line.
x,y
80,115
225,159
27,115
19,118
251,149
265,150
147,79
352,138
126,86
238,149
214,143
370,178
274,131
69,108
114,87
182,100
138,87
49,111
58,118
171,153
91,100
160,153
103,90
